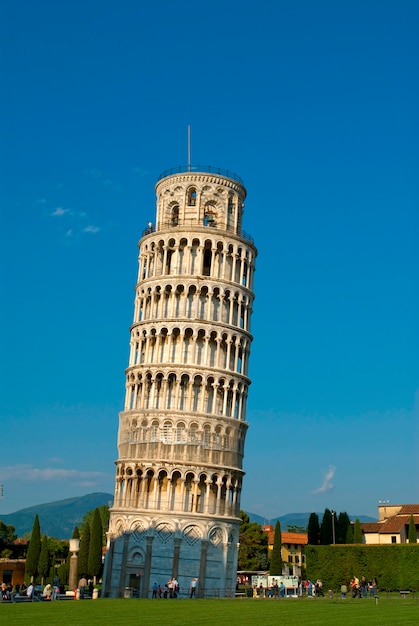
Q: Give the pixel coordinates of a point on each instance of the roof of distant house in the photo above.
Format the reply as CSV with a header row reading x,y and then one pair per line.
x,y
394,523
286,537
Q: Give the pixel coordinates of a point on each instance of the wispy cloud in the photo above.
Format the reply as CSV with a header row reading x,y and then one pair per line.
x,y
91,229
327,484
59,211
28,473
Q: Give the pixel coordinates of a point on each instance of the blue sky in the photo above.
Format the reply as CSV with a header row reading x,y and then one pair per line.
x,y
314,105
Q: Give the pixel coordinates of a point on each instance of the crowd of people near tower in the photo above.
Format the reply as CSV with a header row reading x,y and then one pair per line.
x,y
30,591
171,589
360,588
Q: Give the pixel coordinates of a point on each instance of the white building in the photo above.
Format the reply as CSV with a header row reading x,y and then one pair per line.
x,y
182,431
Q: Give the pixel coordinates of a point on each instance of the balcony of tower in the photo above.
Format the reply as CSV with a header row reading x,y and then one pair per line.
x,y
196,225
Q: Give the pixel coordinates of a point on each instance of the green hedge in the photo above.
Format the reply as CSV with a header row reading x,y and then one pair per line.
x,y
394,566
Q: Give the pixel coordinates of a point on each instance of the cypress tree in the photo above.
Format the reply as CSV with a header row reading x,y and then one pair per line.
x,y
326,528
276,557
95,546
350,534
343,522
83,562
313,529
34,550
76,533
358,536
44,559
413,535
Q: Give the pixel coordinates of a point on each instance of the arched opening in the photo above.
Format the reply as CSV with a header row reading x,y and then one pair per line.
x,y
196,390
187,344
207,260
200,344
180,435
167,436
191,298
175,215
171,380
157,390
191,196
184,383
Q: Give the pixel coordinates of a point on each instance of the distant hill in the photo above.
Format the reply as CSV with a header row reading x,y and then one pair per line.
x,y
299,519
57,519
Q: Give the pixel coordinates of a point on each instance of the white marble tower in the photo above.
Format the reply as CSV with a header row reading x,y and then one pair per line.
x,y
182,431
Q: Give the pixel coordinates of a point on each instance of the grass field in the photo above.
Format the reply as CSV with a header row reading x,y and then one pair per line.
x,y
391,611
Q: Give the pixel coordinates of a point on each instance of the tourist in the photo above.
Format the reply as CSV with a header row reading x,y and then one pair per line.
x,y
364,587
175,587
192,588
82,587
170,587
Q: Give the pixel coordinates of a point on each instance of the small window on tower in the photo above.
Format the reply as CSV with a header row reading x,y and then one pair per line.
x,y
230,205
192,196
175,215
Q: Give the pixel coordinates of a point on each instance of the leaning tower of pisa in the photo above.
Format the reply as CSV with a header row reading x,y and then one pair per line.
x,y
182,431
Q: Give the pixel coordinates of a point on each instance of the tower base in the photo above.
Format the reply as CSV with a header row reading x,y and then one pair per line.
x,y
143,550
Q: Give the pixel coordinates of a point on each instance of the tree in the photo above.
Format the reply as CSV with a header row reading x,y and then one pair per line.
x,y
7,537
6,554
83,562
44,559
95,546
58,549
326,528
350,534
253,551
34,550
413,535
313,529
104,517
358,536
62,573
342,525
7,534
275,568
76,533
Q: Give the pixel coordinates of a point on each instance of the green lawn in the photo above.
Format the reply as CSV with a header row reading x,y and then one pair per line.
x,y
391,611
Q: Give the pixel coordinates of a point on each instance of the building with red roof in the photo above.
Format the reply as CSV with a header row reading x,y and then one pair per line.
x,y
292,549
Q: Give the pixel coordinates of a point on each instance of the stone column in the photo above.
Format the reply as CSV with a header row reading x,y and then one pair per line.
x,y
145,582
107,572
123,572
224,571
176,556
73,578
202,569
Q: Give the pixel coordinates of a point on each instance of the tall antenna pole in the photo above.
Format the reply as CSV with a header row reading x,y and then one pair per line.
x,y
189,147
